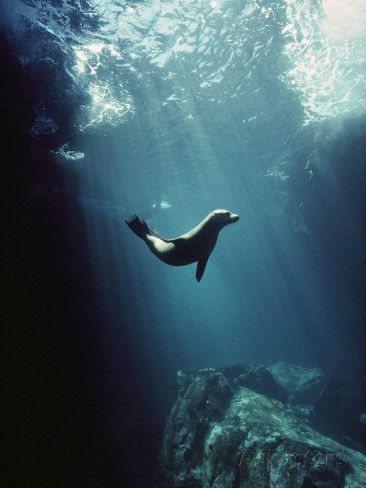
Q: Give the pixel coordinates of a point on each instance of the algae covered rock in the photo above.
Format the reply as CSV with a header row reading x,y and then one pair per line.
x,y
302,384
260,379
262,445
221,437
203,400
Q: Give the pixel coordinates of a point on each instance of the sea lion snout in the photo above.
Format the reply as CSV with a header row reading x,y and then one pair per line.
x,y
223,217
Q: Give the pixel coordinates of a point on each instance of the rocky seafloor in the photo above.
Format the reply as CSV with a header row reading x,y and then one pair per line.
x,y
260,427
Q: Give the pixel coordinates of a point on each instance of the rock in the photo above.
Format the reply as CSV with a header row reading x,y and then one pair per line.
x,y
302,384
303,411
203,399
223,438
232,372
256,377
260,379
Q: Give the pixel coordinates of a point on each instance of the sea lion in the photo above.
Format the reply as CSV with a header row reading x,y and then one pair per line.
x,y
193,246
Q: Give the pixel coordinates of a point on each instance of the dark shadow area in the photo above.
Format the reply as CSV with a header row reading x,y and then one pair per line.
x,y
56,407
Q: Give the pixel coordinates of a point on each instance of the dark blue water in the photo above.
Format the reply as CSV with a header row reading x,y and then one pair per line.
x,y
169,110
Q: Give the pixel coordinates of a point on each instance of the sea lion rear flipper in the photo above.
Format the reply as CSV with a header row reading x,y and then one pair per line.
x,y
141,229
138,226
201,265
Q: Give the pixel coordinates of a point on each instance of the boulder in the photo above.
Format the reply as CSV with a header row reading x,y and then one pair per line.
x,y
203,400
223,437
261,380
302,384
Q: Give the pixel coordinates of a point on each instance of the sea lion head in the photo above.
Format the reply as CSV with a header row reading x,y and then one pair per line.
x,y
222,217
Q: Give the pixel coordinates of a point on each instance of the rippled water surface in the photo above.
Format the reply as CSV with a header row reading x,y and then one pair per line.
x,y
219,52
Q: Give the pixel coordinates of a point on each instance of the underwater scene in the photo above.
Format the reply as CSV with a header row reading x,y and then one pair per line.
x,y
184,194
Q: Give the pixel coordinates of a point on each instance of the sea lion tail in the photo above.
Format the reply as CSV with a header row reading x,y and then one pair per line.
x,y
139,227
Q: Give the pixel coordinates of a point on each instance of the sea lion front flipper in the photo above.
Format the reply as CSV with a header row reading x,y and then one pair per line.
x,y
201,265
